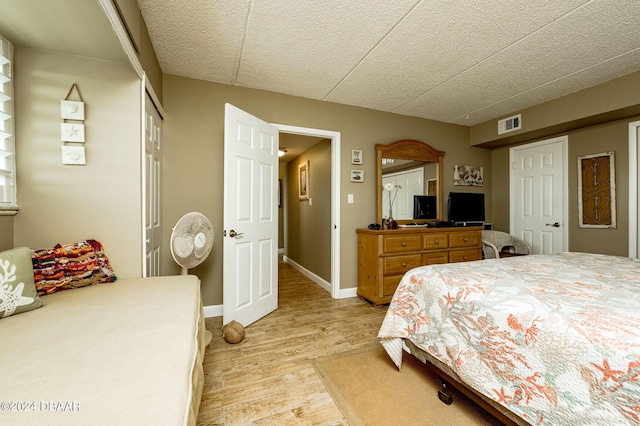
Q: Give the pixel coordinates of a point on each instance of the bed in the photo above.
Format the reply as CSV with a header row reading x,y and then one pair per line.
x,y
126,352
541,339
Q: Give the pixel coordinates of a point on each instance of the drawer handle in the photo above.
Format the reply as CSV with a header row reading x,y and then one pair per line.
x,y
404,244
404,265
465,240
436,242
464,258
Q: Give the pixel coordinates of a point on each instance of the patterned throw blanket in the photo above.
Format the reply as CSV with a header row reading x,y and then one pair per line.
x,y
553,338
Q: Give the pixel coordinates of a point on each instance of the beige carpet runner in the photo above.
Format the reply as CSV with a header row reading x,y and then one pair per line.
x,y
369,390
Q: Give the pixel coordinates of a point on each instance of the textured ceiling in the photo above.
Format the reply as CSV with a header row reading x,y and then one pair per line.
x,y
463,62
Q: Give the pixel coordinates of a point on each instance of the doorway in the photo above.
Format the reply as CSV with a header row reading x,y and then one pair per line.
x,y
334,138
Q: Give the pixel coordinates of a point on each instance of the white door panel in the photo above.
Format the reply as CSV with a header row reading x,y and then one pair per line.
x,y
250,288
151,198
539,195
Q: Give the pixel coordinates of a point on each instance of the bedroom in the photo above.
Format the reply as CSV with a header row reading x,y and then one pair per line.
x,y
110,181
192,129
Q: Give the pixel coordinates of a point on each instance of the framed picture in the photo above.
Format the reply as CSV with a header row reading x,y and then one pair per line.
x,y
71,132
468,176
303,180
357,176
72,110
356,156
597,191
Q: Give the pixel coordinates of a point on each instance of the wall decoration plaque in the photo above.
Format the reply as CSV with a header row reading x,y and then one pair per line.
x,y
597,191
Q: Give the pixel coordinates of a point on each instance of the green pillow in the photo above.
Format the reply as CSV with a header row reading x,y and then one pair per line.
x,y
17,288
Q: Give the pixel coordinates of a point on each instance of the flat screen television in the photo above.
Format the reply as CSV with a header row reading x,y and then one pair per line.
x,y
424,207
466,207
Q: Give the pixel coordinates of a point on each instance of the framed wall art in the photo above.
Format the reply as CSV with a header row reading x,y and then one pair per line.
x,y
597,191
356,156
303,180
468,175
357,176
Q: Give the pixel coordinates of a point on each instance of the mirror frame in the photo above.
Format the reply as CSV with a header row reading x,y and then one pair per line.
x,y
408,149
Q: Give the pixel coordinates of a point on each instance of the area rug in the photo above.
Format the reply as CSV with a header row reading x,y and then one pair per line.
x,y
370,390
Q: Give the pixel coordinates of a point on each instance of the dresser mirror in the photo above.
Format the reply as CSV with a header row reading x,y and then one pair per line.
x,y
414,170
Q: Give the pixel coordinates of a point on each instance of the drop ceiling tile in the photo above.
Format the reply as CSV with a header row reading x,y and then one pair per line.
x,y
541,58
436,42
197,38
305,48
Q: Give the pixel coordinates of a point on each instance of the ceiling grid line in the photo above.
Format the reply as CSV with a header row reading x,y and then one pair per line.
x,y
488,58
375,45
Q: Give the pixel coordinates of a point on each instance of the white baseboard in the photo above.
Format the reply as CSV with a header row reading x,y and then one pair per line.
x,y
212,311
307,273
345,293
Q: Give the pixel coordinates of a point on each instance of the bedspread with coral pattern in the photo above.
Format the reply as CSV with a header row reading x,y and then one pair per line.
x,y
553,338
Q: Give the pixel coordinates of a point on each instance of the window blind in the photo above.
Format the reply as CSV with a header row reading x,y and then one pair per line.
x,y
7,140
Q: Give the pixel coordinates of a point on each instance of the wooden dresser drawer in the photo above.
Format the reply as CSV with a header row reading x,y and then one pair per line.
x,y
390,284
435,258
465,255
435,241
385,255
401,264
465,239
400,243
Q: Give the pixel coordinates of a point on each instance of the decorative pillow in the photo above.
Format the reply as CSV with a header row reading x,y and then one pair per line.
x,y
17,290
70,266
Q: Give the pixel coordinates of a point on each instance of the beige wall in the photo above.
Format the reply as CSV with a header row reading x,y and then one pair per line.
x,y
613,136
193,159
139,34
61,203
6,232
308,224
614,100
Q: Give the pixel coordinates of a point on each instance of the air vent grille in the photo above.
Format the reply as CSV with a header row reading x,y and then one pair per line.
x,y
509,124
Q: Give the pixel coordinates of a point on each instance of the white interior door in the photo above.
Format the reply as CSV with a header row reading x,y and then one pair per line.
x,y
151,186
538,193
250,275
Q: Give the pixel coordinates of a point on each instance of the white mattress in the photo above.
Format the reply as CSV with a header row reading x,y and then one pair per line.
x,y
128,352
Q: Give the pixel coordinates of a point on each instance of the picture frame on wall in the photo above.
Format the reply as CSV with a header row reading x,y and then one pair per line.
x,y
356,156
357,176
597,191
468,175
303,180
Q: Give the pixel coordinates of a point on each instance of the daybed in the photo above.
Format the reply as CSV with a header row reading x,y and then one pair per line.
x,y
124,352
540,339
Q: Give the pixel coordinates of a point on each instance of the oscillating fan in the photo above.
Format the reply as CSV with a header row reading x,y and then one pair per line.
x,y
191,240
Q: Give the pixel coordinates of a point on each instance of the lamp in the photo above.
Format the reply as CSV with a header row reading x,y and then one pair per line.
x,y
282,152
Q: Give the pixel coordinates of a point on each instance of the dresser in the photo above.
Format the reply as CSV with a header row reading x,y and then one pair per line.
x,y
384,256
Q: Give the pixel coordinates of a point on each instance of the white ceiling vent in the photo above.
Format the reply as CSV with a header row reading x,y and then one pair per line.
x,y
509,124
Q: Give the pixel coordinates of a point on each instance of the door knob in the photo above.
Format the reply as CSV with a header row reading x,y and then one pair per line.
x,y
234,234
555,225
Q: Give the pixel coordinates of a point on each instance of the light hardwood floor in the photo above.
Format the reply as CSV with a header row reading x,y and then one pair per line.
x,y
269,377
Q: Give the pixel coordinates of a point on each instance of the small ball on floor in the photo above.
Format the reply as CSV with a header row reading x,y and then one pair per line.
x,y
233,332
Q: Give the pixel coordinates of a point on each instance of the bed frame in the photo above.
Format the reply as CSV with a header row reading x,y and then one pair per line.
x,y
448,377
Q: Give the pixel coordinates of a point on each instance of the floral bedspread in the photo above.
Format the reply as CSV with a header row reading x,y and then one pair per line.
x,y
553,338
